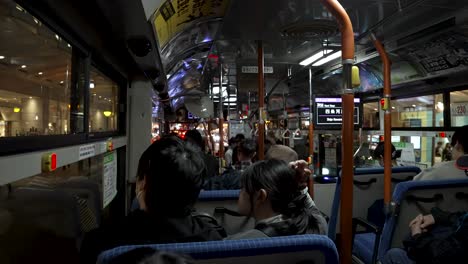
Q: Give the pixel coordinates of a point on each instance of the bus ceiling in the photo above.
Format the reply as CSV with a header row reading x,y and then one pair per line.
x,y
163,38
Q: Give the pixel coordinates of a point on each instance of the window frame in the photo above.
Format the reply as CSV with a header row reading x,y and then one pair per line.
x,y
425,91
80,55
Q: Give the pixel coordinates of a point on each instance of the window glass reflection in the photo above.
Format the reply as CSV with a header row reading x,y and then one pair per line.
x,y
35,75
422,111
459,108
103,102
371,115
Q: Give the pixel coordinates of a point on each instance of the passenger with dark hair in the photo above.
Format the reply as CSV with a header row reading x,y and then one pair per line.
x,y
447,152
230,180
449,170
238,139
212,165
271,194
168,184
379,151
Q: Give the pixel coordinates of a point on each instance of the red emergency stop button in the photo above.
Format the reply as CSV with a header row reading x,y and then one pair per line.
x,y
49,162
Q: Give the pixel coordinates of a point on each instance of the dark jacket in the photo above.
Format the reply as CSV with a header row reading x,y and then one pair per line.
x,y
212,165
445,242
142,228
229,180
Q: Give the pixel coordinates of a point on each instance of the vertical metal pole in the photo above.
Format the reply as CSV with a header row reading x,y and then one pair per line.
x,y
311,137
221,120
346,210
387,122
261,102
249,104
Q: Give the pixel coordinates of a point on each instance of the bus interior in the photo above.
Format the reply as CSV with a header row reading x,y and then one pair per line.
x,y
86,86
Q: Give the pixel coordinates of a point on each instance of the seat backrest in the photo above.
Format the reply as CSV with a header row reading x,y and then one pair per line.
x,y
418,197
368,187
52,210
289,249
208,201
95,197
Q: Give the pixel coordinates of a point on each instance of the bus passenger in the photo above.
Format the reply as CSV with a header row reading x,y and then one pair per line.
x,y
280,152
270,193
230,180
378,154
238,139
439,237
212,165
447,152
448,170
228,154
170,178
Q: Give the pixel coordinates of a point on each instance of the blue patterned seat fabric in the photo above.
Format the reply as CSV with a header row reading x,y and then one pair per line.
x,y
317,248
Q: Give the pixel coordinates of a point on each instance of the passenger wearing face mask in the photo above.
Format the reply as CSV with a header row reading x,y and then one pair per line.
x,y
170,177
449,170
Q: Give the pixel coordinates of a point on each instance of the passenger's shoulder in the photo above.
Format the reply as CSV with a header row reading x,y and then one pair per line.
x,y
442,170
208,222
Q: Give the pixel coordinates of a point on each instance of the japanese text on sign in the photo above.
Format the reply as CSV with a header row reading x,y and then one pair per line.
x,y
87,151
329,111
254,69
109,178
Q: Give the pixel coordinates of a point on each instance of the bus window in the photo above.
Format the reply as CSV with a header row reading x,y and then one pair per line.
x,y
371,115
422,111
35,76
103,102
459,108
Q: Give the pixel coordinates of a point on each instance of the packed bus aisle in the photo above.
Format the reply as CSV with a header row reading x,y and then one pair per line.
x,y
230,131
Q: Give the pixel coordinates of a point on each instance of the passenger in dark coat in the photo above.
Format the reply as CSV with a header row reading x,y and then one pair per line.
x,y
169,180
440,237
211,163
230,180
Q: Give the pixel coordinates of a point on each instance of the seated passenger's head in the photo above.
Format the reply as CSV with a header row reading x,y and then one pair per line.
x,y
194,137
247,150
270,188
281,152
460,142
170,177
379,154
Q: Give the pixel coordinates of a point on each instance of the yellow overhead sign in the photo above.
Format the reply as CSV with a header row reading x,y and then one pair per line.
x,y
174,16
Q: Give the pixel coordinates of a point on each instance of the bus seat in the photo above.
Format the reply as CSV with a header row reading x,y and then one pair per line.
x,y
325,192
95,199
335,209
411,198
86,207
366,191
368,187
54,210
222,204
288,249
